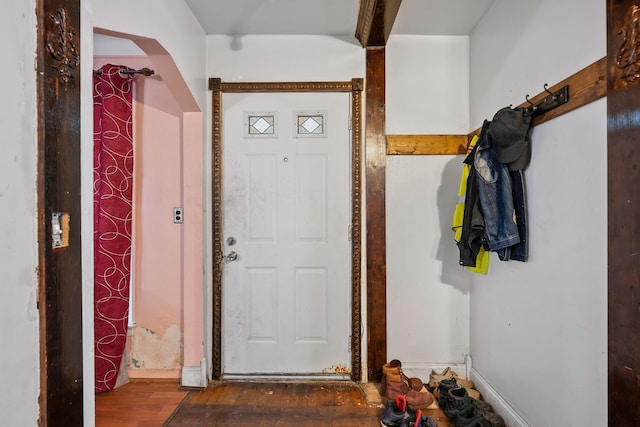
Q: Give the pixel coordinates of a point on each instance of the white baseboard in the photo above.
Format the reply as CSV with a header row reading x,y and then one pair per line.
x,y
500,406
194,376
364,372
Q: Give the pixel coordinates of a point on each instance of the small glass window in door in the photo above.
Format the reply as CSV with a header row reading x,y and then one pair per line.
x,y
311,124
260,125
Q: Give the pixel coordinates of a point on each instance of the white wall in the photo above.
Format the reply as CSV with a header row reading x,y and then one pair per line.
x,y
171,24
539,329
427,85
278,58
427,292
19,358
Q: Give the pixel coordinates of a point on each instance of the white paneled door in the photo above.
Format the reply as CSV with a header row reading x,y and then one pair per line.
x,y
286,306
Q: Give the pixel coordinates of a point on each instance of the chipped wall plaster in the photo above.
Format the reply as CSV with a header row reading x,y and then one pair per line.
x,y
149,350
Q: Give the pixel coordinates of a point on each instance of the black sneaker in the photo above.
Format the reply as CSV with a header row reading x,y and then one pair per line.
x,y
471,414
477,421
458,400
443,391
482,406
423,421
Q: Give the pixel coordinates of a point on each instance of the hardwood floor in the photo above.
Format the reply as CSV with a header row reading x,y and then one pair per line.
x,y
140,403
147,403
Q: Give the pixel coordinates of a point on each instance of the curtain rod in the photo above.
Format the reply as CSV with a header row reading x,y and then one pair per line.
x,y
144,71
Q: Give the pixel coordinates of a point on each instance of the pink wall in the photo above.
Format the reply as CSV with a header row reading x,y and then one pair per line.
x,y
168,257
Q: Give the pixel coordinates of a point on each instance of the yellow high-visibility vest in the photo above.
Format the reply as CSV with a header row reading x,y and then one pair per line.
x,y
482,260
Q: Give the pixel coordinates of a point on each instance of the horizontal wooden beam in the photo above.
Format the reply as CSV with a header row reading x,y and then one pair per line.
x,y
427,144
375,21
585,86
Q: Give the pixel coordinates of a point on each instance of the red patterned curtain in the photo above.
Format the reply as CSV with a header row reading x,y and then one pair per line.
x,y
112,209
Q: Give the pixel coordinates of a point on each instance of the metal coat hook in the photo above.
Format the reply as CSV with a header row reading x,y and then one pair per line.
x,y
526,97
533,107
554,97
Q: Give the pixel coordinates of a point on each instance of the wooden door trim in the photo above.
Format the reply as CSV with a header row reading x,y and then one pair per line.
x,y
58,188
355,87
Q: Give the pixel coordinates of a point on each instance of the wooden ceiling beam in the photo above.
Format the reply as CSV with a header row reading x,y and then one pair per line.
x,y
375,20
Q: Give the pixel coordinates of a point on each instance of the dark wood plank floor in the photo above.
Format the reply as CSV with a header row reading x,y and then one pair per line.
x,y
278,404
144,403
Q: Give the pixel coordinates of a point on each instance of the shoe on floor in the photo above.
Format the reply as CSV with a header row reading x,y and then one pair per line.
x,y
473,393
391,370
443,391
422,399
435,377
447,373
458,400
471,414
395,413
393,380
423,421
465,383
478,421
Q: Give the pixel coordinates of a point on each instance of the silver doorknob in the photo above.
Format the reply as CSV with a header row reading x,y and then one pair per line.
x,y
231,256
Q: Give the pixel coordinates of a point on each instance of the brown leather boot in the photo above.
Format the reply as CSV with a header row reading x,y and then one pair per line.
x,y
390,386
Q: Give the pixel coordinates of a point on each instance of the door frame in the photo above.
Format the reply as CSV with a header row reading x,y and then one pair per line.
x,y
217,87
59,282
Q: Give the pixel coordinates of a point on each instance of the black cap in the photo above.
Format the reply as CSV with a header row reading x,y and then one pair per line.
x,y
509,134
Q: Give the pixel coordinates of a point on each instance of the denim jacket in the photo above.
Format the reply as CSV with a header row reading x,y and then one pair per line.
x,y
496,200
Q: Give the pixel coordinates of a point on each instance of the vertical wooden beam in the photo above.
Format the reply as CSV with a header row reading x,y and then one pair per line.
x,y
60,267
375,21
375,170
623,171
